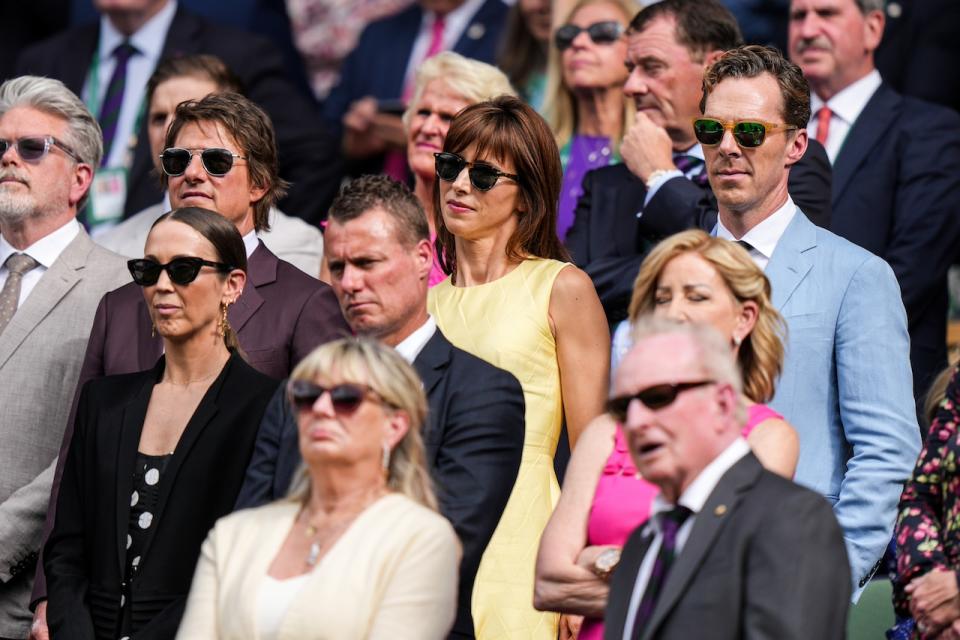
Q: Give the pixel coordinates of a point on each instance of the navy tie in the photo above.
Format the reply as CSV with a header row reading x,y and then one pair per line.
x,y
113,98
687,164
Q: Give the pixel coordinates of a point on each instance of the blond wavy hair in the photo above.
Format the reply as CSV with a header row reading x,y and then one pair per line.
x,y
761,352
385,372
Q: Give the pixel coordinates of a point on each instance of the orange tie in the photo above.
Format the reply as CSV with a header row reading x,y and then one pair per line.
x,y
823,124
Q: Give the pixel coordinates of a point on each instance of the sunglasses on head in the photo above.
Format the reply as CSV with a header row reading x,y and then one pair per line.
x,y
655,397
216,162
33,148
482,176
747,133
344,397
182,271
606,32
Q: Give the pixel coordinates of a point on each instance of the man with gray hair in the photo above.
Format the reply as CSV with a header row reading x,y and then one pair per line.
x,y
730,549
52,277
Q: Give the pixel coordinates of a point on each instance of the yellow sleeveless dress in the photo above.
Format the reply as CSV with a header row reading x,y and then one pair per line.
x,y
505,322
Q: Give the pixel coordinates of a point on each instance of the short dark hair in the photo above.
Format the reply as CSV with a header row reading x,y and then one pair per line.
x,y
250,126
382,192
754,60
202,65
702,25
508,128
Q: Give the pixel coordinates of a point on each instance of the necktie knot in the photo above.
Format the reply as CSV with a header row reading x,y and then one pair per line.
x,y
20,263
671,521
124,51
687,163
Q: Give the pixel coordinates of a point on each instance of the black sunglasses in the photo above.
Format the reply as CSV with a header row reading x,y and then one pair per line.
x,y
606,32
344,397
655,397
482,176
182,271
747,133
216,162
33,148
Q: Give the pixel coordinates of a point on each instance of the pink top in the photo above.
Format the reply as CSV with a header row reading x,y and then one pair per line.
x,y
436,273
622,500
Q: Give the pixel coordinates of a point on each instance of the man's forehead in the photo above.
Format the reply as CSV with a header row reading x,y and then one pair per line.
x,y
27,117
371,231
739,97
206,129
658,39
658,359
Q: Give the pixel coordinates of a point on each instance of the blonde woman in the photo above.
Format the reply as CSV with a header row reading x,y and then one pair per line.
x,y
585,105
689,277
445,84
358,551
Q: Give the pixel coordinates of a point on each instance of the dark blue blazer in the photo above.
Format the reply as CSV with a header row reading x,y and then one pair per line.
x,y
377,65
896,193
473,440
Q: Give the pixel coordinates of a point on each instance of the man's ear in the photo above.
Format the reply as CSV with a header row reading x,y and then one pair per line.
x,y
80,182
796,146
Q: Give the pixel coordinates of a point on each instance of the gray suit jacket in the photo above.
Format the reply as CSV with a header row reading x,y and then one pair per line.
x,y
40,355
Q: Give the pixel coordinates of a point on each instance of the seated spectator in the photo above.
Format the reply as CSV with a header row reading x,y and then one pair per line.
x,y
359,550
523,49
445,85
177,80
513,301
149,440
585,105
730,549
689,277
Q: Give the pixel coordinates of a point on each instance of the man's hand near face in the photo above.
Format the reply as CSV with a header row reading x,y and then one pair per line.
x,y
647,148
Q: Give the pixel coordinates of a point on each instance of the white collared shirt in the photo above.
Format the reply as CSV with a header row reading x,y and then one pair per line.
x,y
251,242
764,237
697,152
149,44
845,107
693,498
46,250
411,346
455,23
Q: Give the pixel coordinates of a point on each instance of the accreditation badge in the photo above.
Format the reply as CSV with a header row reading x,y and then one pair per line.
x,y
108,194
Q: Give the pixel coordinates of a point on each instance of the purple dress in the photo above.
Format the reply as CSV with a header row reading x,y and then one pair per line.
x,y
580,155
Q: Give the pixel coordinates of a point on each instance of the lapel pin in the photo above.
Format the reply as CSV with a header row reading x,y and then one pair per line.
x,y
720,510
476,31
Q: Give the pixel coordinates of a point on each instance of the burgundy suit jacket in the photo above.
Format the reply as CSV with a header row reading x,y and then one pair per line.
x,y
282,315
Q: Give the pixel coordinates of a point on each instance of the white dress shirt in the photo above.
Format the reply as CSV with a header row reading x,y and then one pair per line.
x,y
46,250
693,498
251,242
764,237
149,44
845,107
411,346
697,152
455,23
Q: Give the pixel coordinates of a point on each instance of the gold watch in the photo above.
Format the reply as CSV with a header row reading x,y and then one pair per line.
x,y
606,562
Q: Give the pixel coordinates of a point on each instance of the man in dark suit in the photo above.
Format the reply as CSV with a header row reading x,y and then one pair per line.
x,y
282,314
661,188
379,255
896,164
309,156
730,550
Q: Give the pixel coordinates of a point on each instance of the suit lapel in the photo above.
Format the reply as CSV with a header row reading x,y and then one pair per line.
x,y
261,270
624,581
710,521
877,116
56,282
791,260
431,364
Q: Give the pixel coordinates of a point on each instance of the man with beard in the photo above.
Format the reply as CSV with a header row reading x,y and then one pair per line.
x,y
52,277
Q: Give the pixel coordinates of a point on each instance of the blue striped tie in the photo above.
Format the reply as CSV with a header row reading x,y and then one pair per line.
x,y
113,98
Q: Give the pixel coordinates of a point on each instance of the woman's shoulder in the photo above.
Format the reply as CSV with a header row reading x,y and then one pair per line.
x,y
409,514
242,374
252,522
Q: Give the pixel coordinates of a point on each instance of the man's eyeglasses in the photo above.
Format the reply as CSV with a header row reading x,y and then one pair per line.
x,y
182,271
482,176
655,397
33,148
216,162
344,397
606,32
747,133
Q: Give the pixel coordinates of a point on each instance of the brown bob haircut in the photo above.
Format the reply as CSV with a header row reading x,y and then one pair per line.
x,y
506,128
250,127
202,65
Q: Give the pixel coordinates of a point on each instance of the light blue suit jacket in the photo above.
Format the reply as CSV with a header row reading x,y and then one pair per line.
x,y
846,385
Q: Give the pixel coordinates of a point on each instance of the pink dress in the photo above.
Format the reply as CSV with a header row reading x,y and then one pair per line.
x,y
436,273
622,501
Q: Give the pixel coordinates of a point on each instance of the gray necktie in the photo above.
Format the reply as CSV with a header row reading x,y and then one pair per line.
x,y
17,265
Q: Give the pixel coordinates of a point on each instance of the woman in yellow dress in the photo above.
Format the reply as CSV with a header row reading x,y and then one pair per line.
x,y
512,300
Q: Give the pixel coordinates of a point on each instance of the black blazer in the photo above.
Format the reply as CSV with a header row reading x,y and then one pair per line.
x,y
309,157
473,440
897,195
85,557
609,242
765,559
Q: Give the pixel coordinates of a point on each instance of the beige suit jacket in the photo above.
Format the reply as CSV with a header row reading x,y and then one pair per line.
x,y
392,575
40,355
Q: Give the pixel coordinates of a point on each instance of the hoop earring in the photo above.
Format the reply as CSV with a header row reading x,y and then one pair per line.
x,y
385,461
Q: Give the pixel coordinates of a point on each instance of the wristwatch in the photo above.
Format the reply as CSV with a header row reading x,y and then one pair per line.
x,y
605,563
655,175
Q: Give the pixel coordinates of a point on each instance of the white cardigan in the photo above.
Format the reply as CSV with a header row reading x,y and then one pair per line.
x,y
392,574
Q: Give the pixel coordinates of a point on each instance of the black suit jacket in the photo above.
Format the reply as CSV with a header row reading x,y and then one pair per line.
x,y
85,558
473,439
309,157
609,242
897,194
765,559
